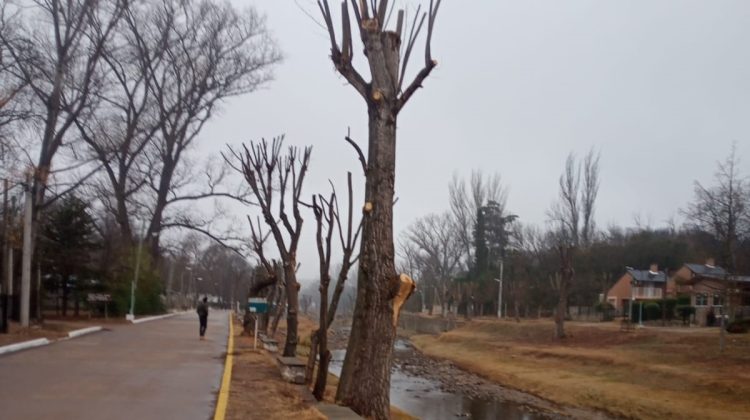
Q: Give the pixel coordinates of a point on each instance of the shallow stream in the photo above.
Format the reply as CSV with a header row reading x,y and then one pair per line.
x,y
430,398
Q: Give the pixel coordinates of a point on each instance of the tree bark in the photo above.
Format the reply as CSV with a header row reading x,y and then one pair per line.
x,y
560,312
366,374
311,357
279,312
292,308
65,293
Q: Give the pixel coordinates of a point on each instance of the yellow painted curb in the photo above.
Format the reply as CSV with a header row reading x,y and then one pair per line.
x,y
226,379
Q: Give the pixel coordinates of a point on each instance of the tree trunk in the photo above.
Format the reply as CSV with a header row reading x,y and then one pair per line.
x,y
561,309
431,301
366,374
322,377
65,292
324,354
292,308
266,318
279,312
311,357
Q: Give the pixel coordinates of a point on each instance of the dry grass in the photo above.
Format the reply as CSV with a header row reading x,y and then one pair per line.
x,y
258,391
642,374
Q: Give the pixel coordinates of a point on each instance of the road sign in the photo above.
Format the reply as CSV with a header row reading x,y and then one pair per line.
x,y
257,305
99,297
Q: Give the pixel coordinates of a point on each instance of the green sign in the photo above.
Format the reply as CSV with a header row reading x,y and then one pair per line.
x,y
257,305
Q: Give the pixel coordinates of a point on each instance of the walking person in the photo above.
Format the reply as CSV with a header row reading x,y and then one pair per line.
x,y
202,310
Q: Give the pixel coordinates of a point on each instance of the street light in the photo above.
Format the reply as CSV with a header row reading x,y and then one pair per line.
x,y
134,283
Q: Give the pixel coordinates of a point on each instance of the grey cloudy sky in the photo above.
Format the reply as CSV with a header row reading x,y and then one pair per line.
x,y
660,88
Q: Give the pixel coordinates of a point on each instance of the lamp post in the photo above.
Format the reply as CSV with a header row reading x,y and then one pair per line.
x,y
185,290
134,283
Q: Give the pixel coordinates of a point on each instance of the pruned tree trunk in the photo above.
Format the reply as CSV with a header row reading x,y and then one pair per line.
x,y
366,374
365,378
310,368
279,311
292,308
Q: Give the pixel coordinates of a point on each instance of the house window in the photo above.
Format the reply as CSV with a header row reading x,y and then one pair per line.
x,y
701,299
718,300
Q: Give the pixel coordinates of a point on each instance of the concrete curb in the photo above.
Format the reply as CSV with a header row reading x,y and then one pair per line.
x,y
25,345
83,331
157,317
11,348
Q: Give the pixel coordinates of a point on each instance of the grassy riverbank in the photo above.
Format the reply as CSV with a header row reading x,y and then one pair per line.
x,y
648,373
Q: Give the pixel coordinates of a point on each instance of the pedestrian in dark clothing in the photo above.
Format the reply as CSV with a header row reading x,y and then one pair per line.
x,y
203,316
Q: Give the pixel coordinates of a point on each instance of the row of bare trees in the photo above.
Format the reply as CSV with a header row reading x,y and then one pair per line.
x,y
273,178
112,97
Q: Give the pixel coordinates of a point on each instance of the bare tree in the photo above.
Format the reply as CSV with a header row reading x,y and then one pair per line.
x,y
194,54
723,209
465,202
270,175
365,376
572,217
14,94
328,221
57,61
436,249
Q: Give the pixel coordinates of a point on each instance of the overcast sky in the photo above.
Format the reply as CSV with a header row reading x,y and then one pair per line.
x,y
660,88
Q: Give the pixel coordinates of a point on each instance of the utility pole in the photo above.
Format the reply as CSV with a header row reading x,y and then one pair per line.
x,y
26,261
500,291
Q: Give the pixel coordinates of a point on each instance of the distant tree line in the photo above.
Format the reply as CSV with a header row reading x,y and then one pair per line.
x,y
569,260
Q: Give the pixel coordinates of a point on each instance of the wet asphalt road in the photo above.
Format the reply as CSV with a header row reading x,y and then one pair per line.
x,y
154,370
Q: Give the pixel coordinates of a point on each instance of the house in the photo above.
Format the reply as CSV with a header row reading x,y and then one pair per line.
x,y
709,286
638,286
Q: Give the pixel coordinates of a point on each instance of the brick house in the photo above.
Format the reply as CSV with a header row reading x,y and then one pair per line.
x,y
638,286
709,286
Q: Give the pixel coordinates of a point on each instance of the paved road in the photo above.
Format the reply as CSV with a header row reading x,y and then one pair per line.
x,y
154,370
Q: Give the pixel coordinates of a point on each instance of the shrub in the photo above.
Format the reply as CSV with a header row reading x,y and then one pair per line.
x,y
606,309
685,311
670,304
147,293
651,311
739,326
604,306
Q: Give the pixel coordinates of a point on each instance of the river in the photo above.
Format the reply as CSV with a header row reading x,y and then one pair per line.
x,y
447,392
